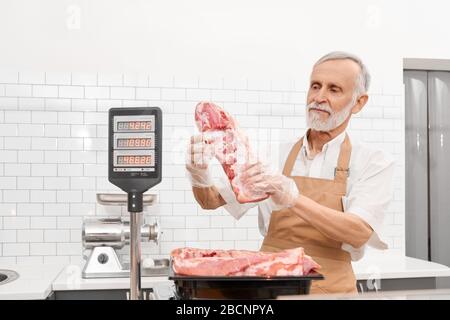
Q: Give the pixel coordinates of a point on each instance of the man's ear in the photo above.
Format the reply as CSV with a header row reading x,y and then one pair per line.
x,y
360,103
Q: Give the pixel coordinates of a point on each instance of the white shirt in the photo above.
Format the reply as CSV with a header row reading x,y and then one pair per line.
x,y
369,186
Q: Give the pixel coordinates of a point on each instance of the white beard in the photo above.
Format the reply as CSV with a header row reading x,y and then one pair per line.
x,y
334,120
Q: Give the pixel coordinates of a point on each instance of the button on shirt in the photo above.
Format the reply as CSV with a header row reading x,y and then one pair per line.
x,y
369,186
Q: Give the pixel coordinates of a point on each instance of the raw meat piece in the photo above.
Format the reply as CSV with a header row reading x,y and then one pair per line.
x,y
233,151
203,262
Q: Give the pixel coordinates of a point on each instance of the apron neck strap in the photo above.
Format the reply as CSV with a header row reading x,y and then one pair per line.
x,y
341,172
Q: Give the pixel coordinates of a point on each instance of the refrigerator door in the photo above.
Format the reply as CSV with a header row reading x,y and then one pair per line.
x,y
416,137
439,135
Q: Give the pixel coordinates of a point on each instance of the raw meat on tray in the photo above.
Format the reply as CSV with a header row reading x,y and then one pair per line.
x,y
232,150
204,262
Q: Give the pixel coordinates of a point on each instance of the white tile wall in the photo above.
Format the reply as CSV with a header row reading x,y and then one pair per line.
x,y
53,138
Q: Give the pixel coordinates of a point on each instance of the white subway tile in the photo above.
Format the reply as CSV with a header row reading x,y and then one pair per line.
x,y
167,247
57,260
56,209
84,105
69,196
235,234
83,157
254,234
8,209
9,103
184,209
69,248
57,104
15,223
136,103
29,209
42,249
18,90
210,234
102,157
17,143
248,121
294,97
283,109
223,95
16,196
97,92
186,235
171,196
173,94
32,77
43,117
247,221
271,97
102,131
247,245
247,96
56,183
72,144
17,169
8,236
56,235
98,144
371,112
135,80
16,249
148,93
70,170
70,117
30,235
82,209
96,118
123,93
198,94
57,156
8,156
71,92
105,105
173,222
82,183
259,109
84,79
270,122
8,130
110,79
30,183
31,130
58,78
31,103
8,182
17,117
43,222
69,222
45,91
198,222
75,236
38,143
56,130
94,170
42,196
222,222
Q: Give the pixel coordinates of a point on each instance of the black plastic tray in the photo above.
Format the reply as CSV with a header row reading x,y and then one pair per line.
x,y
240,287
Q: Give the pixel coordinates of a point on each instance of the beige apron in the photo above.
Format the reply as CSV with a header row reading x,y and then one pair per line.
x,y
287,230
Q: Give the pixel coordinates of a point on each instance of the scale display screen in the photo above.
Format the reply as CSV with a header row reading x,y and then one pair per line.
x,y
135,144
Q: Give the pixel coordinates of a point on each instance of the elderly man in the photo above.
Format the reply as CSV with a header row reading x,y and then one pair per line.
x,y
331,195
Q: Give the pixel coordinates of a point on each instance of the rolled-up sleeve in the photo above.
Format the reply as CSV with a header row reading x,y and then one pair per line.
x,y
369,198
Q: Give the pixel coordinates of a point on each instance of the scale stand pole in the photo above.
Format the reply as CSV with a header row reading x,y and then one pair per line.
x,y
135,208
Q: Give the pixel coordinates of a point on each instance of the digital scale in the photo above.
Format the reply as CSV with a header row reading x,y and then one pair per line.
x,y
134,165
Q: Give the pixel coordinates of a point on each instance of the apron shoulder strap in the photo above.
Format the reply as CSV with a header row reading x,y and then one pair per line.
x,y
290,161
342,171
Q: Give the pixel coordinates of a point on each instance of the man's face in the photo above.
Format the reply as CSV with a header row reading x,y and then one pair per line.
x,y
331,94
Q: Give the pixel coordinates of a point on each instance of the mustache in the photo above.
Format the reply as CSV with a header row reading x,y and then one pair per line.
x,y
323,107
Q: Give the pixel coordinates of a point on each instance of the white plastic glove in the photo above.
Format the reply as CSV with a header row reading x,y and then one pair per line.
x,y
199,153
282,190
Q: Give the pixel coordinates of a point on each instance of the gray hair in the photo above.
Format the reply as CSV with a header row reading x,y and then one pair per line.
x,y
362,80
